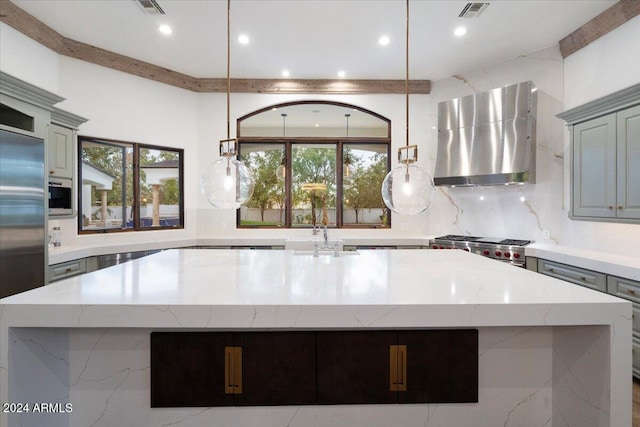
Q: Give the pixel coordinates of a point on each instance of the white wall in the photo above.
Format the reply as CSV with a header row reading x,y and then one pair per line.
x,y
607,65
514,211
122,106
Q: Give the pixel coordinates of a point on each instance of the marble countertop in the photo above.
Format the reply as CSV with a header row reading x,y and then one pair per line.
x,y
370,288
69,252
605,262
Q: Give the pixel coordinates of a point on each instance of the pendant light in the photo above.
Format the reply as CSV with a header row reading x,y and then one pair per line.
x,y
407,189
347,167
281,171
227,182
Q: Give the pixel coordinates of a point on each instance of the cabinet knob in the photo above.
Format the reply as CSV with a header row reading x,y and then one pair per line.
x,y
632,292
610,207
620,207
50,172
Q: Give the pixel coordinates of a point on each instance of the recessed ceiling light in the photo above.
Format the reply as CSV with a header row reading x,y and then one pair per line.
x,y
341,74
317,125
384,40
243,39
165,29
285,73
460,31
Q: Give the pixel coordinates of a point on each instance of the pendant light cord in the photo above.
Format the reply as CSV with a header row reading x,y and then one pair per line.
x,y
406,85
228,68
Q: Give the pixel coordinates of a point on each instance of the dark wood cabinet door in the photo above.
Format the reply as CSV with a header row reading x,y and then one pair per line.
x,y
278,368
353,367
187,369
442,366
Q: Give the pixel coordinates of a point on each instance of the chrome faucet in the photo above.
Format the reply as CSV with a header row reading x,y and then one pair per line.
x,y
326,237
315,230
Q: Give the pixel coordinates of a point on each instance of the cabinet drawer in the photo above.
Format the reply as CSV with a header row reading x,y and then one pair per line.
x,y
67,269
579,276
636,357
636,319
624,288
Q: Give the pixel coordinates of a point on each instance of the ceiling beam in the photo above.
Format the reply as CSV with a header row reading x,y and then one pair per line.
x,y
31,27
610,19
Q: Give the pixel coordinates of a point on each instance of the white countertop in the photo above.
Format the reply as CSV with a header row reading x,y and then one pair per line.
x,y
605,262
610,263
97,325
374,288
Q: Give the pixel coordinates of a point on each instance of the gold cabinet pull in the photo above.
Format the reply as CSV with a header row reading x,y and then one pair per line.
x,y
233,370
397,368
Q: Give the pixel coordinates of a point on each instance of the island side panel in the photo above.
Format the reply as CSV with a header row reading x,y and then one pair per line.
x,y
110,379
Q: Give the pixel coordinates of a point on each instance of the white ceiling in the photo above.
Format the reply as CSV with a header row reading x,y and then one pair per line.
x,y
316,38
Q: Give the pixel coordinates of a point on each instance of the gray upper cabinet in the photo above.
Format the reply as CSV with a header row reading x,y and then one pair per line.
x,y
605,136
594,167
628,188
60,151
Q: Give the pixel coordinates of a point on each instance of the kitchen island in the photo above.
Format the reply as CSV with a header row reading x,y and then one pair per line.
x,y
550,353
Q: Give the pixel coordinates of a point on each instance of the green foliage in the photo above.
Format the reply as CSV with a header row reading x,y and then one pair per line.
x,y
362,190
268,192
108,159
314,165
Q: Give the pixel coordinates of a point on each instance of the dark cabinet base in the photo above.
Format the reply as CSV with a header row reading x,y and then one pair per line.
x,y
302,368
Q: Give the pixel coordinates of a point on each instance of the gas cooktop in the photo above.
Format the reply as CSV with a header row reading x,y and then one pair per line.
x,y
494,240
508,250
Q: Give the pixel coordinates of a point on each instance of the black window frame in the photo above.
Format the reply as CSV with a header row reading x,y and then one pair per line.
x,y
136,203
339,144
338,141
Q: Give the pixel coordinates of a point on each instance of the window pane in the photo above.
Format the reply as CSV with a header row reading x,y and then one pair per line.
x,y
320,119
107,185
266,208
159,188
313,184
364,169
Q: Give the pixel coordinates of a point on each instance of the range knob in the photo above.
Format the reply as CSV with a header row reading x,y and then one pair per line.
x,y
516,255
467,249
507,254
434,247
441,247
486,252
498,253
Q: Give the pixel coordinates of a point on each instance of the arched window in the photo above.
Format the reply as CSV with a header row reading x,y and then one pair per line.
x,y
315,162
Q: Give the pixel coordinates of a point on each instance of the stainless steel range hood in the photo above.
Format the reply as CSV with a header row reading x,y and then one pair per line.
x,y
488,138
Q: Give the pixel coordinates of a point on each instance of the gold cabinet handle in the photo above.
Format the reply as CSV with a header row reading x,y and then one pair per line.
x,y
397,368
631,291
233,370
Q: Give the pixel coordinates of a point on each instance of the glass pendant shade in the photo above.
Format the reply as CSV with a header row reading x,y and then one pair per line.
x,y
407,190
281,171
227,183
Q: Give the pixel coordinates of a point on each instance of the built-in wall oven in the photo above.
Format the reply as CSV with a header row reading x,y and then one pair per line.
x,y
506,250
60,196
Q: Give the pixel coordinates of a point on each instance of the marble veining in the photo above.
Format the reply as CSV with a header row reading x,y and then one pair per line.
x,y
548,350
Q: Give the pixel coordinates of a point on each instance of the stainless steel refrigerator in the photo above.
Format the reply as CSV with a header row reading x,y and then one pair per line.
x,y
22,213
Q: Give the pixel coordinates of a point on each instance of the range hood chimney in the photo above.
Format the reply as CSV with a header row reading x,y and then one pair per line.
x,y
488,138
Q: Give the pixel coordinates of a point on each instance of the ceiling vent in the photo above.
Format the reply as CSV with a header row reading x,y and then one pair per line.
x,y
150,7
473,10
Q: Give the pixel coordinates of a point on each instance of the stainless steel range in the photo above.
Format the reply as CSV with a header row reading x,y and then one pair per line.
x,y
507,250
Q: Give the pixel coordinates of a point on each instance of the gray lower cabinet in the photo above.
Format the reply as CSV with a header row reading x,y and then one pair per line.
x,y
629,290
569,273
68,269
614,285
